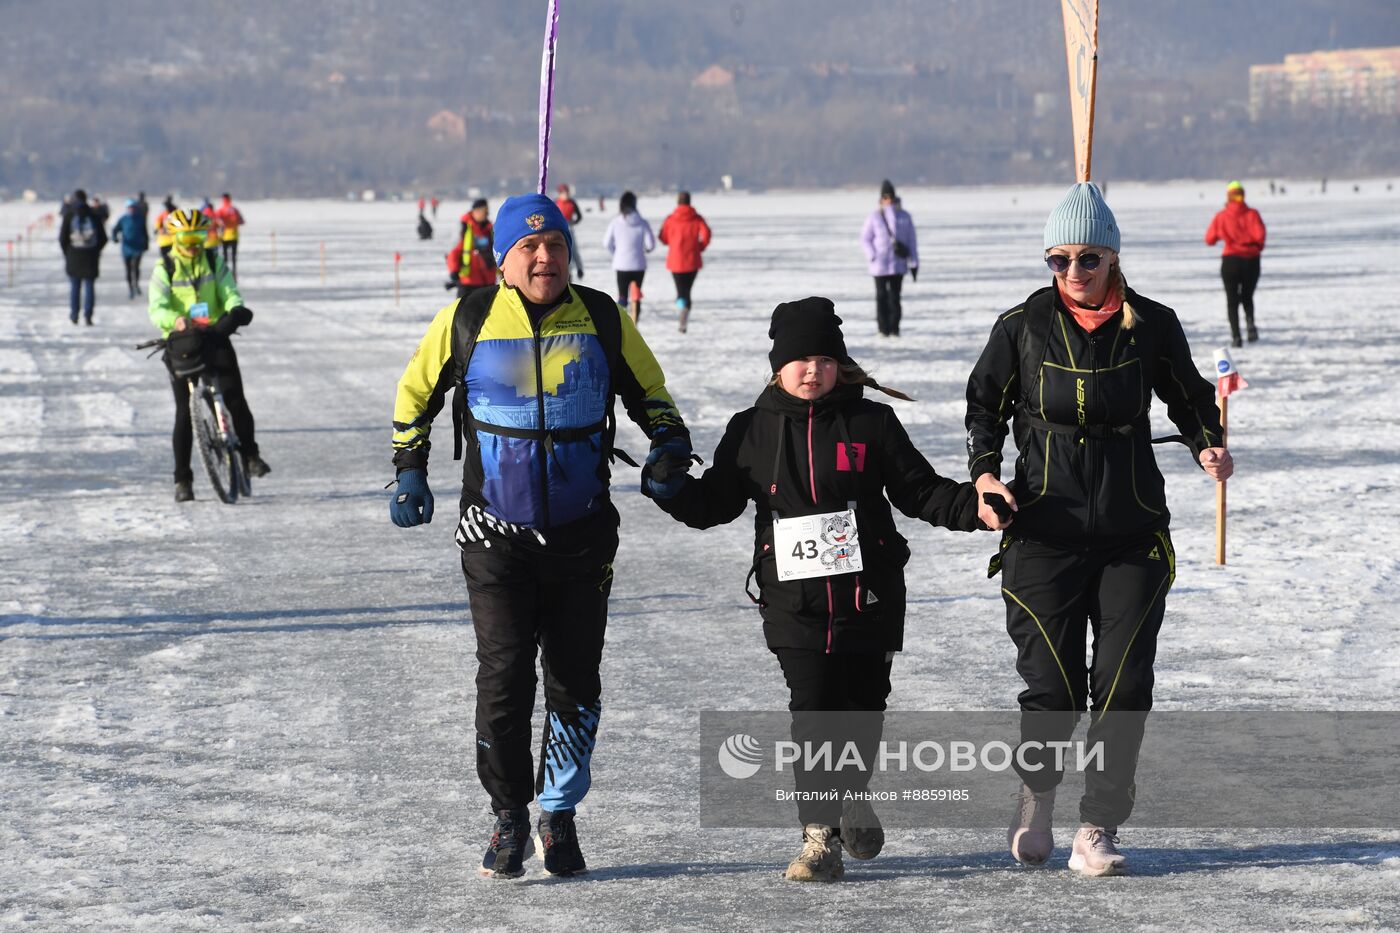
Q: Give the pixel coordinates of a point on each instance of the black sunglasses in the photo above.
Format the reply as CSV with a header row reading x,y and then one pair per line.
x,y
1060,264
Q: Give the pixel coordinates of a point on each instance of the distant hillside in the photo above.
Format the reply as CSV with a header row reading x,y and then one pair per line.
x,y
271,97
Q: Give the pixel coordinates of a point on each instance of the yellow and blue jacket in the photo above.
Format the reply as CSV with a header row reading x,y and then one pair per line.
x,y
537,400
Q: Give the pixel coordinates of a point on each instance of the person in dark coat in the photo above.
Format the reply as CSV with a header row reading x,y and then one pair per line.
x,y
81,236
822,464
1076,366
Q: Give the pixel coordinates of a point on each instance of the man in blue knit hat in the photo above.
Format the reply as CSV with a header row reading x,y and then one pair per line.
x,y
535,365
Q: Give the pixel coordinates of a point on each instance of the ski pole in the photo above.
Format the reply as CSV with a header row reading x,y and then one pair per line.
x,y
1220,486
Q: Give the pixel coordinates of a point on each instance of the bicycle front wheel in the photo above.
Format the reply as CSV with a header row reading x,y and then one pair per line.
x,y
217,456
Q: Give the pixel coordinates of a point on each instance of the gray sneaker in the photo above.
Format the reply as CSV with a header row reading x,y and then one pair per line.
x,y
820,858
1029,835
862,836
1095,853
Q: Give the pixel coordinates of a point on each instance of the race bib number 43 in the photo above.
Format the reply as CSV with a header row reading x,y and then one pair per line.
x,y
817,545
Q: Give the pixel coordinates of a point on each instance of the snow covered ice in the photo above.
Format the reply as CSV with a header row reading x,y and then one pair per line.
x,y
260,716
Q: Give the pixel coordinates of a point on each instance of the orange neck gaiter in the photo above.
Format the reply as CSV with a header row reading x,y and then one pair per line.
x,y
1091,318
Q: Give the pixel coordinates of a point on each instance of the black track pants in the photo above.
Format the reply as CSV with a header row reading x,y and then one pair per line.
x,y
835,698
223,362
133,274
555,598
1054,599
1240,275
684,282
888,307
624,281
231,256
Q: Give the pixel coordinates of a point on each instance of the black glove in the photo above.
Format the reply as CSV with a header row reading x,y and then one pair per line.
x,y
914,273
450,284
998,504
666,468
236,318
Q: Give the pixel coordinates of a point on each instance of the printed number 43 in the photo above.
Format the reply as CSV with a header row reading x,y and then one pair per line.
x,y
805,549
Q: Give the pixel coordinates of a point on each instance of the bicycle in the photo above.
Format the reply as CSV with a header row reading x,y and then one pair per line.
x,y
213,430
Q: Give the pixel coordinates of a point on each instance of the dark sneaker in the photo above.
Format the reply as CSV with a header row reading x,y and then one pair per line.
x,y
1252,334
87,321
184,491
558,844
1236,342
862,836
509,846
256,467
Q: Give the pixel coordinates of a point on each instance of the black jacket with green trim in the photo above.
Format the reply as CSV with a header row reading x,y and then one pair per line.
x,y
1080,403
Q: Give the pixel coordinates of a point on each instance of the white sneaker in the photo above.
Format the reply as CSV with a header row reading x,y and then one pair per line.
x,y
1029,835
1096,854
820,858
862,836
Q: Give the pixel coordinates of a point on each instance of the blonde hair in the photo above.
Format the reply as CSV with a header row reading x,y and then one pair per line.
x,y
1129,315
853,375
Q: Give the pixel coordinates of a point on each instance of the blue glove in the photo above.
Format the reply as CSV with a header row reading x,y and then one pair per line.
x,y
664,474
413,502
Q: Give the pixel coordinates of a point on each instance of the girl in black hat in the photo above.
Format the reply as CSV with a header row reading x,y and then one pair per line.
x,y
818,459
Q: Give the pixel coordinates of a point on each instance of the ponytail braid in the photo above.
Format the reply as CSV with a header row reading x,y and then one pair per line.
x,y
1129,315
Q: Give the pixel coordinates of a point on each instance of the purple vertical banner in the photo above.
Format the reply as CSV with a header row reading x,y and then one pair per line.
x,y
551,35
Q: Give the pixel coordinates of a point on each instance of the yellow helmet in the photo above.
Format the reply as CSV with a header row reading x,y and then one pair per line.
x,y
188,228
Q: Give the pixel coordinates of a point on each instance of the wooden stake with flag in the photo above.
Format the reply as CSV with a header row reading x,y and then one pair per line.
x,y
1082,52
1227,380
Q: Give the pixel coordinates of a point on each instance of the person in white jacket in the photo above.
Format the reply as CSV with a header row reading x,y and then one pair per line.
x,y
629,239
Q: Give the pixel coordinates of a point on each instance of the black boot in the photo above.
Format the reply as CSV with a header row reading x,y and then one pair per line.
x,y
559,842
184,491
509,846
1251,332
256,467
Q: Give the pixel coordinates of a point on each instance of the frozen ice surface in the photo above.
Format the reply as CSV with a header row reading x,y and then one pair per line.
x,y
260,717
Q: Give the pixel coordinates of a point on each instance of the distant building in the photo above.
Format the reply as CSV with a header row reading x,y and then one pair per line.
x,y
715,76
1357,82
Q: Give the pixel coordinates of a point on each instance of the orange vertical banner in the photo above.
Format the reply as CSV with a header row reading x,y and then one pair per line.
x,y
1082,53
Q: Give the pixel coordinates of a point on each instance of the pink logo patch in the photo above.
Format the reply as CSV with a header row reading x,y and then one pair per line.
x,y
843,459
534,221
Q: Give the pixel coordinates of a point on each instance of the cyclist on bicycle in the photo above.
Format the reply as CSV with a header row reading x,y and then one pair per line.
x,y
196,304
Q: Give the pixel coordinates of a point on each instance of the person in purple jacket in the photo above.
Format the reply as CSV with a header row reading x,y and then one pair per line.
x,y
892,249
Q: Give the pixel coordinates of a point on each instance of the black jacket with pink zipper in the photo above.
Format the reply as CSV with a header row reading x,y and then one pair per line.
x,y
794,457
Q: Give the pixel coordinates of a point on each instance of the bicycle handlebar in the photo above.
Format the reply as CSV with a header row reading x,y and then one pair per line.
x,y
158,342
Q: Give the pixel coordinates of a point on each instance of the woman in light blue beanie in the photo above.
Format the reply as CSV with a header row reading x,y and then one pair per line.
x,y
1087,551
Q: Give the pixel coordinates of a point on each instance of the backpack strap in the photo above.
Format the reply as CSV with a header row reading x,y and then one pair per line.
x,y
1034,341
607,322
466,327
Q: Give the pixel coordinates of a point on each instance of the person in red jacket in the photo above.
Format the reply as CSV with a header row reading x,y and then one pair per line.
x,y
471,264
687,235
570,209
1240,226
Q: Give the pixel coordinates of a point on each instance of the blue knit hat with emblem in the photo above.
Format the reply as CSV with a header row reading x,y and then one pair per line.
x,y
527,214
1082,218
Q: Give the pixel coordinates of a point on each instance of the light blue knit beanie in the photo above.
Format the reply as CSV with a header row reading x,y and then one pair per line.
x,y
1082,218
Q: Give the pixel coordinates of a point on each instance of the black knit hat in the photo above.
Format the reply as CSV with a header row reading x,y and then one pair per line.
x,y
805,328
887,189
